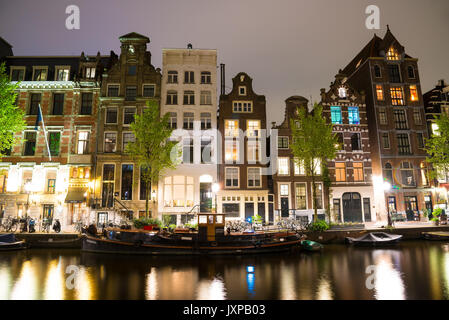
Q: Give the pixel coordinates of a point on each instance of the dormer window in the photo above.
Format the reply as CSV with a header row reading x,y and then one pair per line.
x,y
40,74
392,54
242,78
62,74
242,91
342,92
17,73
89,72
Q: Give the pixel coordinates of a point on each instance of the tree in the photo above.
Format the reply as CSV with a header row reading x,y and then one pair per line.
x,y
11,117
152,150
313,143
437,147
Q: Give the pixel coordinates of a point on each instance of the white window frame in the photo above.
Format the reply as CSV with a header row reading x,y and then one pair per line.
x,y
288,166
78,141
249,133
249,108
260,178
12,68
104,141
106,115
57,68
297,169
288,142
40,67
244,90
123,115
123,139
307,198
113,84
322,196
149,84
238,178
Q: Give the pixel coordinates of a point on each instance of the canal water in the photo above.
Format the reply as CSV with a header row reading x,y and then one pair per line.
x,y
410,270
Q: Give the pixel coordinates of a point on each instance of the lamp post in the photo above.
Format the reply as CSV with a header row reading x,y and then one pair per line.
x,y
215,189
28,191
387,187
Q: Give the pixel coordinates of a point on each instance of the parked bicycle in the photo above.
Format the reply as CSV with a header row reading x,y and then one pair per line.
x,y
10,224
46,224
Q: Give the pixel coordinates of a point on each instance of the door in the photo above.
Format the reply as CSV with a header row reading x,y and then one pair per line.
x,y
205,197
102,218
428,202
367,209
337,210
411,207
270,212
249,210
284,207
261,210
352,207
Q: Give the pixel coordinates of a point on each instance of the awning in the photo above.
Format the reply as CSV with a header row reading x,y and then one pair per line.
x,y
76,195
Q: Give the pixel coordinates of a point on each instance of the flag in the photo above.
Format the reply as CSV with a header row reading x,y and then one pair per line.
x,y
36,127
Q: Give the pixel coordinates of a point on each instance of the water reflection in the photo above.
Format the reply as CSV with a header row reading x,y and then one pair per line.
x,y
412,270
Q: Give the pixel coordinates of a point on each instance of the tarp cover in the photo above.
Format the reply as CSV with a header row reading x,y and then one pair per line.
x,y
75,195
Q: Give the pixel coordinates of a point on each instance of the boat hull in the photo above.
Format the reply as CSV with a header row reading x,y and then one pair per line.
x,y
375,239
58,244
436,236
92,244
18,245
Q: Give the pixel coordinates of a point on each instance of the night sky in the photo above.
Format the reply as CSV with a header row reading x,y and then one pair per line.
x,y
289,47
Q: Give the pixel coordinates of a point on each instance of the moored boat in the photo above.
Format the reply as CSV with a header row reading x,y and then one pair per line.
x,y
436,236
57,244
209,240
375,239
8,242
311,246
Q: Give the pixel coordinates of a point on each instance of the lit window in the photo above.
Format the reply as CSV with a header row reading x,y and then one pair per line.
x,y
340,171
283,189
301,196
231,150
110,141
253,152
299,168
242,106
232,177
353,115
336,115
342,92
413,93
397,96
435,130
231,128
253,128
283,166
392,54
62,74
254,179
317,166
380,92
90,73
83,142
358,171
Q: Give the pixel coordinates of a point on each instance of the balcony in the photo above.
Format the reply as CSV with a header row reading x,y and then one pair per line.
x,y
80,158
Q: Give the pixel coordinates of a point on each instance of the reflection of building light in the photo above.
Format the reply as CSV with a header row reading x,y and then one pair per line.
x,y
55,282
287,286
84,285
212,290
5,281
25,287
324,289
250,269
152,288
388,283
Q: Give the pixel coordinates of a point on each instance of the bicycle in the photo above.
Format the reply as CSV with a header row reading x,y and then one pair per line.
x,y
10,225
46,224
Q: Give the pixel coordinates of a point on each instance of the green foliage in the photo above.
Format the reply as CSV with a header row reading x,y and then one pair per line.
x,y
141,222
257,219
318,226
191,225
437,213
11,117
172,226
152,148
167,220
437,147
312,138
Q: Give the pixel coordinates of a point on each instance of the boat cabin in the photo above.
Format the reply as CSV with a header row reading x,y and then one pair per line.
x,y
210,225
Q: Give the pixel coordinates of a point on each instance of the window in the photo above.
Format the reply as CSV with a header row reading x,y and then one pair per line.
x,y
232,128
254,177
340,171
403,144
400,119
131,93
283,166
242,106
205,118
113,90
110,142
62,74
187,150
377,72
407,176
231,150
188,120
394,73
144,186
54,140
205,77
319,195
358,171
383,116
128,115
205,98
127,182
178,191
17,74
282,142
417,116
51,185
342,92
3,180
206,149
148,90
132,70
111,115
83,142
189,77
253,128
317,166
353,115
127,138
420,139
189,97
86,103
392,54
172,97
413,93
242,91
90,72
58,103
301,196
385,140
356,142
232,177
380,92
388,173
397,96
341,142
172,76
107,195
34,103
300,170
283,189
253,150
424,174
40,74
336,115
30,143
173,120
411,72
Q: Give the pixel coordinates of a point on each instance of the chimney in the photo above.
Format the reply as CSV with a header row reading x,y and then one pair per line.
x,y
222,78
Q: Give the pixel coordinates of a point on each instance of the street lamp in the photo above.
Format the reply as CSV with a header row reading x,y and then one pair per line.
x,y
215,189
28,191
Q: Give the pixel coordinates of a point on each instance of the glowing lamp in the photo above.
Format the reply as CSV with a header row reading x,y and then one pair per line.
x,y
250,269
215,187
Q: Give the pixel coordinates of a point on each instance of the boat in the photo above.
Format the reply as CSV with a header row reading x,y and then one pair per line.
x,y
8,242
311,246
436,236
57,244
210,239
375,239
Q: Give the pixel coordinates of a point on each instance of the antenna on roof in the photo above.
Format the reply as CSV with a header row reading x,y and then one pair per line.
x,y
388,27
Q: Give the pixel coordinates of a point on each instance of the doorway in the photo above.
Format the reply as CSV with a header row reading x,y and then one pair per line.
x,y
249,210
411,207
352,207
205,197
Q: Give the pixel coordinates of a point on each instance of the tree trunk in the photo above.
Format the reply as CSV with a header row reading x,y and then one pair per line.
x,y
315,213
147,194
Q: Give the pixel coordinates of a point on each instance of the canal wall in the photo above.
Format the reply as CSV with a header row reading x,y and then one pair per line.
x,y
50,240
338,236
